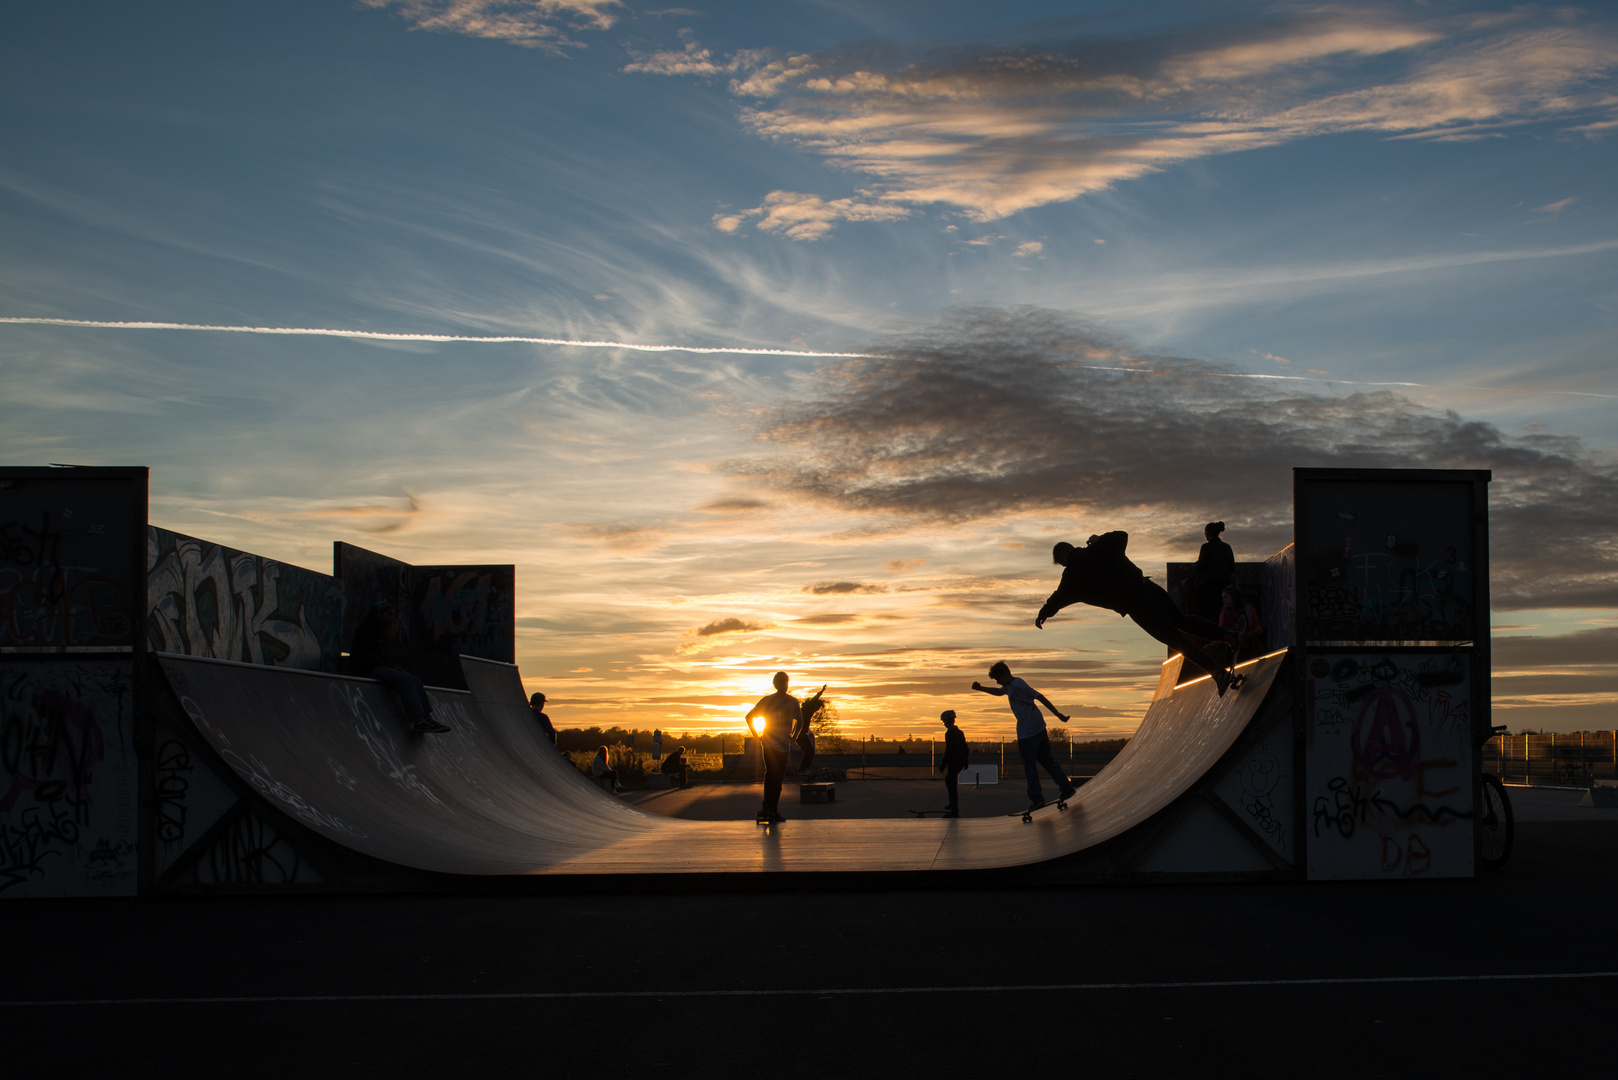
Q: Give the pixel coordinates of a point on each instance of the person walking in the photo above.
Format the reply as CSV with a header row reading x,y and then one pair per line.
x,y
1033,741
955,755
781,713
1100,574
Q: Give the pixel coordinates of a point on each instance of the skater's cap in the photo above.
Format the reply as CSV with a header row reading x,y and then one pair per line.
x,y
947,714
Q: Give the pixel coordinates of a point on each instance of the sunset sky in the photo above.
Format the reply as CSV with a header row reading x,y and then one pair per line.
x,y
1098,266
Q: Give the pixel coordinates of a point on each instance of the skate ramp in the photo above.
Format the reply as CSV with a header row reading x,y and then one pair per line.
x,y
493,797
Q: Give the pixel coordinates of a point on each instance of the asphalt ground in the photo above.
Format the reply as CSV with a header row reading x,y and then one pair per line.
x,y
1355,980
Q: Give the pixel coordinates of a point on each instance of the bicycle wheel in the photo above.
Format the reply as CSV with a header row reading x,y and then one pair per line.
x,y
1496,827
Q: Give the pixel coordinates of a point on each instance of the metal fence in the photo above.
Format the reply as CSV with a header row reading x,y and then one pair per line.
x,y
1574,759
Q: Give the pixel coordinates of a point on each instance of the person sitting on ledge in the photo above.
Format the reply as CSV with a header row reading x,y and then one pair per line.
x,y
368,656
600,770
675,766
536,702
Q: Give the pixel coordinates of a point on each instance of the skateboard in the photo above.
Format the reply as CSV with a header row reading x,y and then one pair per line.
x,y
760,819
1028,814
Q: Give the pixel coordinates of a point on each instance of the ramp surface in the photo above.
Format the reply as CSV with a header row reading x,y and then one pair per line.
x,y
493,797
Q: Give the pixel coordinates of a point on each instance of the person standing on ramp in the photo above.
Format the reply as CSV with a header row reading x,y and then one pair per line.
x,y
1100,574
781,714
1033,742
804,733
955,755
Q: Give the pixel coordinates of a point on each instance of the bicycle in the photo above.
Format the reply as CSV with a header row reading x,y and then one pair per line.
x,y
1497,828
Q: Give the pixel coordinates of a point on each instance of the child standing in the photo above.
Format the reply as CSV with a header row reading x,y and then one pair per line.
x,y
954,761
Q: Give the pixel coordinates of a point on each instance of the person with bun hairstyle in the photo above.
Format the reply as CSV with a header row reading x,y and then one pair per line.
x,y
1100,574
1215,568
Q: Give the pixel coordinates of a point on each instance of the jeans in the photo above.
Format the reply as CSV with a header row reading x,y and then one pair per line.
x,y
1155,613
806,743
1036,752
412,694
950,786
775,769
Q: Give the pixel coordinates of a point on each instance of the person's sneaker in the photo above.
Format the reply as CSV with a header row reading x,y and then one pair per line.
x,y
430,727
774,817
1067,793
952,813
1035,806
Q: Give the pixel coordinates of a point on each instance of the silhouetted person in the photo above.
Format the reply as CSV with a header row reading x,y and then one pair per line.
x,y
1100,574
781,714
600,770
1239,618
675,766
1033,741
657,744
1215,568
368,656
804,734
536,702
955,755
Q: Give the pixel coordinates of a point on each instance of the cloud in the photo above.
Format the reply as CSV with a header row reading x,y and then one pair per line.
x,y
1556,207
618,538
730,625
799,216
533,24
825,620
693,59
992,131
1027,248
735,505
902,566
366,519
996,412
841,588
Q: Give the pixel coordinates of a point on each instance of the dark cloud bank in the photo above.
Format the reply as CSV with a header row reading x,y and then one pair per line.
x,y
998,411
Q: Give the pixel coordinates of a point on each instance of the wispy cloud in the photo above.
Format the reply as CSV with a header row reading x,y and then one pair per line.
x,y
993,131
1029,412
533,24
731,625
800,216
842,588
1556,207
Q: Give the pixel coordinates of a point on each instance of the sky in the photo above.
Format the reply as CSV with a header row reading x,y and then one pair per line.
x,y
947,282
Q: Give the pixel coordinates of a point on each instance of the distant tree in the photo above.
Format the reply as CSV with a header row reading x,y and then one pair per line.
x,y
827,726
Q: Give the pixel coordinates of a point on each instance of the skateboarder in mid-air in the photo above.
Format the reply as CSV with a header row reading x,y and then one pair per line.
x,y
1101,574
781,714
1033,742
955,755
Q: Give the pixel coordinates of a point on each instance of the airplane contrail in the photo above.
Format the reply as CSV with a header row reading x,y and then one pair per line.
x,y
382,335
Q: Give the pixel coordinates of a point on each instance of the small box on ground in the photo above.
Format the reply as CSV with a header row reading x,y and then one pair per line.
x,y
817,793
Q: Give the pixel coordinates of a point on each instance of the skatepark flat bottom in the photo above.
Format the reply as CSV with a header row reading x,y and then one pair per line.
x,y
856,799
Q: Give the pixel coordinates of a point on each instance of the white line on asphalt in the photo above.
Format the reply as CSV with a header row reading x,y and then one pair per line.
x,y
840,991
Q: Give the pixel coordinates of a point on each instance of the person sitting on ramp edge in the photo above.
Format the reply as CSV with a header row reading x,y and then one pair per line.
x,y
955,755
675,767
781,714
1101,574
368,656
1033,742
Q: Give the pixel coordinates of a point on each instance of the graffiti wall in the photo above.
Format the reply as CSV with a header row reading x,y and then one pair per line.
x,y
1389,770
1260,789
68,777
67,557
207,600
467,609
452,609
1280,597
367,577
1388,561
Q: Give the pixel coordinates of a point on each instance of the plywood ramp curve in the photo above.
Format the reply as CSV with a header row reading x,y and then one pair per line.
x,y
492,797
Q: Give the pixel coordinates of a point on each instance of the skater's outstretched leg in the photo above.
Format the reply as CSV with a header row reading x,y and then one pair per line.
x,y
1156,614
